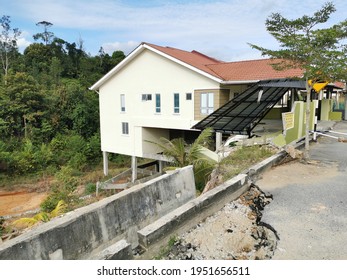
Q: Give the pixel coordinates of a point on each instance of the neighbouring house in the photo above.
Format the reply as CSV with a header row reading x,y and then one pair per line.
x,y
163,92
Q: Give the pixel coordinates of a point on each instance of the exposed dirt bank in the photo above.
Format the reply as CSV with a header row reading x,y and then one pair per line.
x,y
18,202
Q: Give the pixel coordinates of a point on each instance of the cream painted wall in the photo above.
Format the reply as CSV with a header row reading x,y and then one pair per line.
x,y
148,73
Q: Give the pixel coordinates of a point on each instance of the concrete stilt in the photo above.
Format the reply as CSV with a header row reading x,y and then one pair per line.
x,y
218,140
133,169
105,161
160,166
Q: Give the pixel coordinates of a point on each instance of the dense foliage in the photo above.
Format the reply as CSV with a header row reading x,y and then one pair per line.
x,y
48,116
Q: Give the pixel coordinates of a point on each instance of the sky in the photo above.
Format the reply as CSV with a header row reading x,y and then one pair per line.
x,y
219,28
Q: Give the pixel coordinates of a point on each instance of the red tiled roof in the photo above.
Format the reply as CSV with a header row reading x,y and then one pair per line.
x,y
230,71
260,69
194,58
340,85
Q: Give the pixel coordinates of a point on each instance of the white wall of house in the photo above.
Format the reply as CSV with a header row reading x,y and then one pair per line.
x,y
148,73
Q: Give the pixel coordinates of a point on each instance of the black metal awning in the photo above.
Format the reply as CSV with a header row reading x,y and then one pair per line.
x,y
241,114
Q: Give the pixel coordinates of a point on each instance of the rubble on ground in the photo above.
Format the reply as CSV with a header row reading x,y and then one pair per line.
x,y
235,232
293,152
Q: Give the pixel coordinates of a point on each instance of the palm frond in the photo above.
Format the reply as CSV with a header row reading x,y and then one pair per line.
x,y
203,140
59,209
24,222
29,222
178,151
42,216
173,149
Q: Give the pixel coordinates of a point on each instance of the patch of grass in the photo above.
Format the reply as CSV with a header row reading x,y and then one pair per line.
x,y
165,250
243,158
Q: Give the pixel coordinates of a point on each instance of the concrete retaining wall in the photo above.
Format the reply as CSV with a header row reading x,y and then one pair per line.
x,y
90,229
192,212
155,236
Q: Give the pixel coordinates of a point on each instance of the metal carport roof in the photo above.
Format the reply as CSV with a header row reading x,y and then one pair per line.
x,y
241,114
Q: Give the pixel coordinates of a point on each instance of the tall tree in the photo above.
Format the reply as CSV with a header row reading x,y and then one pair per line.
x,y
321,53
46,36
8,43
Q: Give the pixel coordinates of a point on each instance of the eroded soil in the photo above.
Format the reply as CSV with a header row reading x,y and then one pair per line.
x,y
13,203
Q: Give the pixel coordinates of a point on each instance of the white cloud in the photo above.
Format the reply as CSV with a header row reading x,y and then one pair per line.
x,y
126,47
221,27
22,41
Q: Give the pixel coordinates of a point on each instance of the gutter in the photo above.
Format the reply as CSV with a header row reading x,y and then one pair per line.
x,y
239,82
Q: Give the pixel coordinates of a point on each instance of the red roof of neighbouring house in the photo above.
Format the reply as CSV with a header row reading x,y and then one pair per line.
x,y
249,70
260,69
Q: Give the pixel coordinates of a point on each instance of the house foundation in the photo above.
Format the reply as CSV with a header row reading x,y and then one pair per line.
x,y
105,162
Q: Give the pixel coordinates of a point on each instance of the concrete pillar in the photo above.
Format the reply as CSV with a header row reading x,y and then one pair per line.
x,y
218,140
105,160
133,169
160,166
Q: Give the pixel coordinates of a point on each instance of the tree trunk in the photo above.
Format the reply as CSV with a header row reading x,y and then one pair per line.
x,y
25,127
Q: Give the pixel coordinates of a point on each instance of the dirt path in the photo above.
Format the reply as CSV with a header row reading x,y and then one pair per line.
x,y
18,202
297,173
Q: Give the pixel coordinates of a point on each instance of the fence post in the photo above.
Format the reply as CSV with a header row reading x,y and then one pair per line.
x,y
97,188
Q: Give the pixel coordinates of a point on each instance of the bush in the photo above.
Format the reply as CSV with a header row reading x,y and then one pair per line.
x,y
90,188
53,199
62,190
43,157
94,154
66,178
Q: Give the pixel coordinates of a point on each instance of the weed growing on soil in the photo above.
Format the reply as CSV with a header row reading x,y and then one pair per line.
x,y
165,250
242,158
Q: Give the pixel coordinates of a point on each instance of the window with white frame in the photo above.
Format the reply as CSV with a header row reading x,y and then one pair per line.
x,y
125,128
122,102
157,103
188,96
207,103
176,103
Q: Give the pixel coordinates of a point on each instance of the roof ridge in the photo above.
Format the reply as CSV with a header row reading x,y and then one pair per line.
x,y
240,61
206,56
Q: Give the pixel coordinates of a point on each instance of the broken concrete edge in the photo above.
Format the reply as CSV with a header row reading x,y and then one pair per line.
x,y
121,250
154,236
193,212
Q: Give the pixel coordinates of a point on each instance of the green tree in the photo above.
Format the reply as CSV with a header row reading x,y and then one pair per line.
x,y
320,52
8,43
37,59
22,104
46,36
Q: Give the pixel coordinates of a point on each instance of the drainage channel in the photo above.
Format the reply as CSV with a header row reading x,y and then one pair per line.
x,y
235,232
